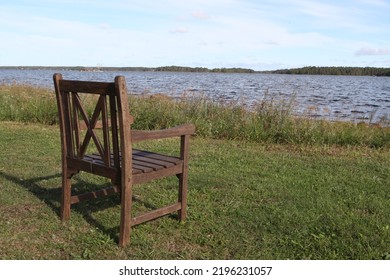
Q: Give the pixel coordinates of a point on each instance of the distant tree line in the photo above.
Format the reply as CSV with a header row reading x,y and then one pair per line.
x,y
309,70
349,71
164,68
203,69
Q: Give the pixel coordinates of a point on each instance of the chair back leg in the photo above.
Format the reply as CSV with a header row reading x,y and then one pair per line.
x,y
65,196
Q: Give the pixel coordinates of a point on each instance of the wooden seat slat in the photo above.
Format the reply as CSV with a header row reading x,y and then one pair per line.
x,y
156,156
142,161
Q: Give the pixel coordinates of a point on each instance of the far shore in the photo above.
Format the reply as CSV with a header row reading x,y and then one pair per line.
x,y
309,70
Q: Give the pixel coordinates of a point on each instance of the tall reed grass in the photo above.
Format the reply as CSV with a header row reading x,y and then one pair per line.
x,y
25,103
268,121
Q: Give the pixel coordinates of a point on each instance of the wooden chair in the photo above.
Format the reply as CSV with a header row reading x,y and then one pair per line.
x,y
114,157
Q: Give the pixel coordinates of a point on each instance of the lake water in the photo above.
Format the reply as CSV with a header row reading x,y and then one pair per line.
x,y
351,98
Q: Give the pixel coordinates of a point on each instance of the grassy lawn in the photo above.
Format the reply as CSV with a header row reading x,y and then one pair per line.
x,y
246,201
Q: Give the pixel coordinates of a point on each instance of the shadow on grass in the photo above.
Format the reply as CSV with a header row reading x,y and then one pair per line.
x,y
49,196
52,197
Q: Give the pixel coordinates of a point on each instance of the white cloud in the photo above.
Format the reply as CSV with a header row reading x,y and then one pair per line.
x,y
200,15
372,51
180,30
251,32
320,10
379,3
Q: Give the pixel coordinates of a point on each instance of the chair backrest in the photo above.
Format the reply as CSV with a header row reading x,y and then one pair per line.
x,y
79,127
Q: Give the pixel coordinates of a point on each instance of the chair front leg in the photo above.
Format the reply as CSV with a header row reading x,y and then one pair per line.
x,y
125,223
183,177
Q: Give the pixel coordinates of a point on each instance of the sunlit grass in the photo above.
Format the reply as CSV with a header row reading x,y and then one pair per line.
x,y
246,201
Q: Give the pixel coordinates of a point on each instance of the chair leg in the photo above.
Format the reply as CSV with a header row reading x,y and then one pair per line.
x,y
125,223
183,178
65,196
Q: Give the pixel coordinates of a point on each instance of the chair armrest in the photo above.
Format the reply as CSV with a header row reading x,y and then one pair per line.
x,y
181,130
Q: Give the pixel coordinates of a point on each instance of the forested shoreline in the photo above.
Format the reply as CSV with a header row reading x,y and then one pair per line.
x,y
146,69
309,70
346,71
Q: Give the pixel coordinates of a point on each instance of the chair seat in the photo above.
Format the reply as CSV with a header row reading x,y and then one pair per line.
x,y
144,163
147,166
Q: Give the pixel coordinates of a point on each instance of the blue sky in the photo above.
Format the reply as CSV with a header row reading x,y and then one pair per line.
x,y
261,35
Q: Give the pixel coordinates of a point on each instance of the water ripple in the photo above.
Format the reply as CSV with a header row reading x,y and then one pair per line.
x,y
330,97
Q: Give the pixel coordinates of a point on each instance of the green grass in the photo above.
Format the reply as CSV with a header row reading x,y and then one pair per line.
x,y
270,121
263,185
246,201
